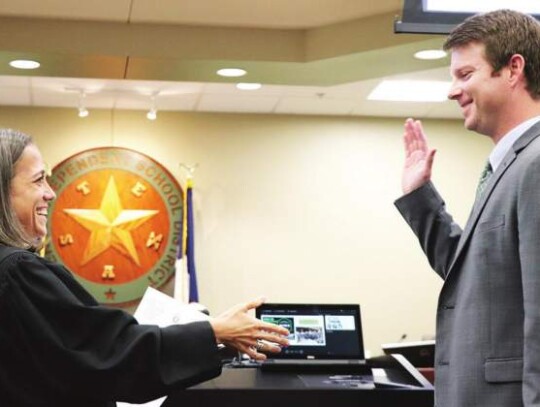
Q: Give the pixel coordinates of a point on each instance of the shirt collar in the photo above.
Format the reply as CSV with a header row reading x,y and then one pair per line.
x,y
506,142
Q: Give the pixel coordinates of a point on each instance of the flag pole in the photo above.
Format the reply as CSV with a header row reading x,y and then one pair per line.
x,y
182,281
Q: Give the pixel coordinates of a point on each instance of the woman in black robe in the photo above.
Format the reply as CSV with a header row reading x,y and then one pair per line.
x,y
59,347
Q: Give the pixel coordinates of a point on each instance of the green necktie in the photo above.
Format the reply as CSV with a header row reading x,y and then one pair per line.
x,y
484,178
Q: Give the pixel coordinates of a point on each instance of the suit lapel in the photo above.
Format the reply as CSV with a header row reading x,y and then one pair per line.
x,y
479,205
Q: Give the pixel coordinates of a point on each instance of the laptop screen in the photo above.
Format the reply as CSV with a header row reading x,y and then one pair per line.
x,y
317,331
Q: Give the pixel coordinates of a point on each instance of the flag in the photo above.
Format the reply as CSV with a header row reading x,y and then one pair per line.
x,y
190,246
185,287
180,276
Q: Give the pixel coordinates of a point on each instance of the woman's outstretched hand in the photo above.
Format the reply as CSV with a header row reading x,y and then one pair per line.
x,y
237,329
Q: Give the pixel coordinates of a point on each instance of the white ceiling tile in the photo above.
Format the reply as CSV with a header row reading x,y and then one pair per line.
x,y
231,89
240,103
315,105
69,85
15,96
220,88
305,91
391,109
45,97
181,102
131,103
15,81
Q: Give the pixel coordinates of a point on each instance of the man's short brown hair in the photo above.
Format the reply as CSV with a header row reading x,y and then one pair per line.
x,y
504,33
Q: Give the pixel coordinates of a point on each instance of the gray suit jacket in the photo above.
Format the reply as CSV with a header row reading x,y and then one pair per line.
x,y
488,315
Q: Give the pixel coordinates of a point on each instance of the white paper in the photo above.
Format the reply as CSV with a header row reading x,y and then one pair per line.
x,y
153,403
157,308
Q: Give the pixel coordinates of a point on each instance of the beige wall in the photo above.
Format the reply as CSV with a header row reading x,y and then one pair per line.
x,y
295,208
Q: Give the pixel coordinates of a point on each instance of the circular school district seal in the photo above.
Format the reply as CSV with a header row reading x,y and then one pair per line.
x,y
115,222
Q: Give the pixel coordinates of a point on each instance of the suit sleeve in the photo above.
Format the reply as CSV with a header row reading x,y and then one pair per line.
x,y
529,253
425,212
95,351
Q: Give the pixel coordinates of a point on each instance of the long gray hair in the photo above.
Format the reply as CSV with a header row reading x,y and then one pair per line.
x,y
12,145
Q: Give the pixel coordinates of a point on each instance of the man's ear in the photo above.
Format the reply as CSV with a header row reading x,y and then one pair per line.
x,y
516,66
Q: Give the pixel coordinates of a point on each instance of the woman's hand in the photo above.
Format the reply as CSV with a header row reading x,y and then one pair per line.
x,y
237,329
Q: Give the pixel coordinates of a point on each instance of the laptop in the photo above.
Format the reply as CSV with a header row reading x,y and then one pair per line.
x,y
323,338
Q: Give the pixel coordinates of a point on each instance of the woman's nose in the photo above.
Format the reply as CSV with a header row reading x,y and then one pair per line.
x,y
49,193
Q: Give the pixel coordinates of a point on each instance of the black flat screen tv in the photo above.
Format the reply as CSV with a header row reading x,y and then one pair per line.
x,y
416,18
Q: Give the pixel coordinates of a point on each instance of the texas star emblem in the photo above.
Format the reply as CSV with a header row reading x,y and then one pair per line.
x,y
115,222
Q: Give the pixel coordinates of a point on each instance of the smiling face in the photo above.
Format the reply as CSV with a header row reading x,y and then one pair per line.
x,y
481,93
30,193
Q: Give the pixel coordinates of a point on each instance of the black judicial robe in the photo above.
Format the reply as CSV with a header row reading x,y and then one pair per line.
x,y
58,347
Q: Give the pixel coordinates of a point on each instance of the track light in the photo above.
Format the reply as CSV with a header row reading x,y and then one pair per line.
x,y
152,113
83,111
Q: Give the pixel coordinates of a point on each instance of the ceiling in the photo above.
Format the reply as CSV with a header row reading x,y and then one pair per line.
x,y
312,56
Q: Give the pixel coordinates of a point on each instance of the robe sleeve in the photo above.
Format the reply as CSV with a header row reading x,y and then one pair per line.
x,y
94,351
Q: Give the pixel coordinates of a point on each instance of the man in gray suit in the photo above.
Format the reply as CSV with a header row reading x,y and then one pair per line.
x,y
488,315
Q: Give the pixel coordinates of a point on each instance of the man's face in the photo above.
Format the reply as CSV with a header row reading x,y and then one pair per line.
x,y
30,193
481,93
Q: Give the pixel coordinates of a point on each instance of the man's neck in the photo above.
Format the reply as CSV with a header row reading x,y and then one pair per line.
x,y
515,118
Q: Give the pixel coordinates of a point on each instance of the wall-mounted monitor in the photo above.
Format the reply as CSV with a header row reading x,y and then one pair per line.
x,y
440,16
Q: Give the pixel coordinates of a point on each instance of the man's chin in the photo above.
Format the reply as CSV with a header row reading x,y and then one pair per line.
x,y
470,124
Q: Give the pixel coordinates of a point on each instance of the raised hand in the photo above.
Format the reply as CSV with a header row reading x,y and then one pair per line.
x,y
247,334
418,157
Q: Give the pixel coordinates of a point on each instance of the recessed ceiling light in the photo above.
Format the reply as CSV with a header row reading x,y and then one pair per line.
x,y
232,72
24,64
430,54
248,86
411,91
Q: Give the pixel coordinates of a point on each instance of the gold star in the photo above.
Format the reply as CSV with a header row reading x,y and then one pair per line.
x,y
110,225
